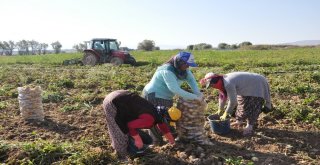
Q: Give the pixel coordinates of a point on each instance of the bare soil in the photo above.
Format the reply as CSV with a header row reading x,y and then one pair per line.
x,y
273,142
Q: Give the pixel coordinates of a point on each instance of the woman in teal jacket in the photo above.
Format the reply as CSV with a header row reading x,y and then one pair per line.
x,y
166,81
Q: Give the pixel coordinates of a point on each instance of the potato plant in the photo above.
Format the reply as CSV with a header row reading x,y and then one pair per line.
x,y
72,98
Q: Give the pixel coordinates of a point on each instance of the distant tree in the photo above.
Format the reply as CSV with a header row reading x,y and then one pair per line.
x,y
5,47
26,45
80,47
202,46
44,48
41,48
245,43
8,47
147,45
23,47
76,47
34,45
56,46
12,45
156,48
233,46
190,47
207,46
223,46
1,48
20,48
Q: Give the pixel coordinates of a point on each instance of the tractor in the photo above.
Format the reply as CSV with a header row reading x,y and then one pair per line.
x,y
106,50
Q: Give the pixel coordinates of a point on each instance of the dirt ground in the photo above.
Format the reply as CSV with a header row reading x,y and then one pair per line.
x,y
274,141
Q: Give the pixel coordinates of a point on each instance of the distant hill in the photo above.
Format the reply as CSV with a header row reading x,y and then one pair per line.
x,y
304,43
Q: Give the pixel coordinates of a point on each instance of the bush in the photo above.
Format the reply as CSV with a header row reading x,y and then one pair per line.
x,y
147,45
66,83
222,46
201,46
190,47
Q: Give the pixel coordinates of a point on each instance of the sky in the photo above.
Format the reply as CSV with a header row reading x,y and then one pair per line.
x,y
169,23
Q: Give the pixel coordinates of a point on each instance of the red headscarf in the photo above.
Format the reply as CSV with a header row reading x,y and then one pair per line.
x,y
215,81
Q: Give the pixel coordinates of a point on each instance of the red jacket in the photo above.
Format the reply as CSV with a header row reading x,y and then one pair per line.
x,y
134,112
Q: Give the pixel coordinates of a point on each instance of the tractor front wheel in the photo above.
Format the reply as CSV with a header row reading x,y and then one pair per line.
x,y
89,59
116,61
132,61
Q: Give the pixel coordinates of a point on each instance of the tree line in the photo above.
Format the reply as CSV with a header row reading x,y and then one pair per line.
x,y
28,47
32,47
149,45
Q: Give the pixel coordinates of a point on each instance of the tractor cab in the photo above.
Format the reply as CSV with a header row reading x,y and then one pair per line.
x,y
106,50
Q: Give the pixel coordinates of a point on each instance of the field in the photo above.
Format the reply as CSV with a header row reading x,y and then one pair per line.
x,y
74,129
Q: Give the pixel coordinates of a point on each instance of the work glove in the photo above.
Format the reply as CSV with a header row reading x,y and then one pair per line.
x,y
219,112
137,141
225,116
169,137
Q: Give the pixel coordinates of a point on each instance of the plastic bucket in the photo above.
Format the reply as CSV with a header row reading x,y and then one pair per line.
x,y
218,126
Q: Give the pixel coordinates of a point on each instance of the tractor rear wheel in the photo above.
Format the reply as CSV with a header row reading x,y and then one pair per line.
x,y
116,61
89,59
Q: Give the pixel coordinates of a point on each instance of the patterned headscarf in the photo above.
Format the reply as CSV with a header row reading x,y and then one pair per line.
x,y
177,62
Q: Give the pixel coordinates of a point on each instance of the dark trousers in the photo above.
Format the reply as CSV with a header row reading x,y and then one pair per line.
x,y
146,139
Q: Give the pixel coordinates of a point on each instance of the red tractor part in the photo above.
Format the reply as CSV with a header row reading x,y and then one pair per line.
x,y
105,50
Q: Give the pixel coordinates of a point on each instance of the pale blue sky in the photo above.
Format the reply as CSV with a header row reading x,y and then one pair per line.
x,y
170,23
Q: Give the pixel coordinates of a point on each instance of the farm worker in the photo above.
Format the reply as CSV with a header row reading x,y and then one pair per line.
x,y
126,113
167,80
250,92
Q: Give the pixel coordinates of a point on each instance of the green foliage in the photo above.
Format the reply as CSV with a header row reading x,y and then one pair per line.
x,y
316,77
202,46
245,43
278,113
50,59
190,47
46,152
53,97
237,161
3,105
9,90
228,66
154,62
42,152
301,89
294,83
90,157
147,45
68,108
222,46
56,46
305,114
4,149
65,83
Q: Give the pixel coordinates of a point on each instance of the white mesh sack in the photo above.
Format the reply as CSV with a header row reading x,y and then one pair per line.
x,y
30,103
191,124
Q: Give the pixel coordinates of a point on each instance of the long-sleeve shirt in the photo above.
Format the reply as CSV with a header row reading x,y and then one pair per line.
x,y
165,84
134,112
145,121
244,84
